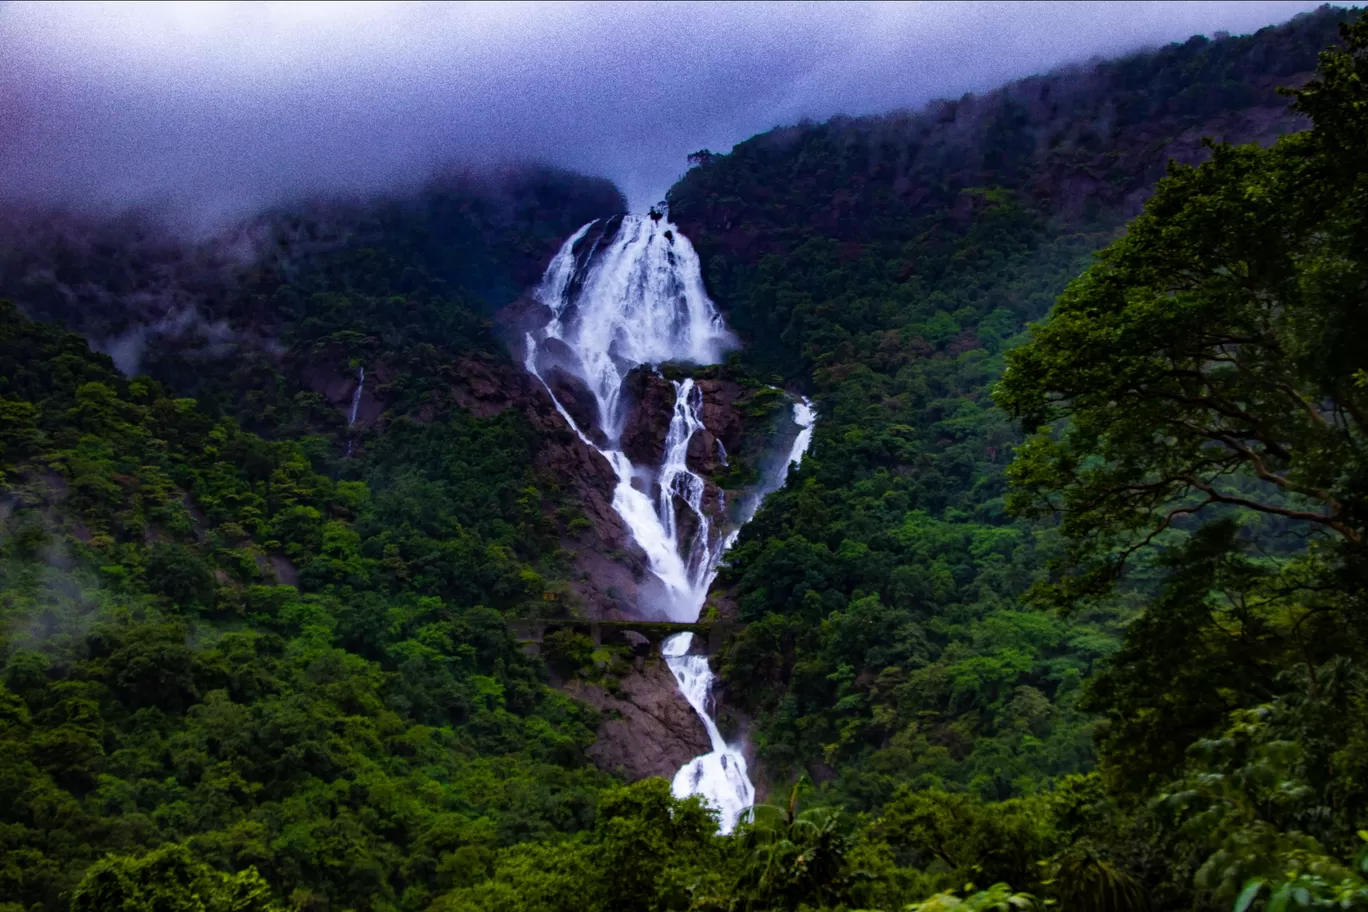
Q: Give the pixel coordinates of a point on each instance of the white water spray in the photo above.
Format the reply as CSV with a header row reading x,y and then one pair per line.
x,y
719,776
677,480
805,418
635,297
356,402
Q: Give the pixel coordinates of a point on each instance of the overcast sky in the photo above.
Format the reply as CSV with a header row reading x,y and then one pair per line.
x,y
229,106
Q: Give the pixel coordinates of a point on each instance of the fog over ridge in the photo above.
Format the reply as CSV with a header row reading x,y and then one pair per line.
x,y
228,107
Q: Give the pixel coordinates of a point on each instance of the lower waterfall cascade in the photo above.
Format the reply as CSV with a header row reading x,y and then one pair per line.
x,y
625,293
720,775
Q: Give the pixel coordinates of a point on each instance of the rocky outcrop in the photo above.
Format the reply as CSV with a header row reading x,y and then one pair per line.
x,y
612,579
338,387
722,424
576,399
648,400
485,387
649,728
610,566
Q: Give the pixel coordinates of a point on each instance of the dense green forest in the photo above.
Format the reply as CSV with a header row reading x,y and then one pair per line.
x,y
1061,608
294,660
887,265
344,736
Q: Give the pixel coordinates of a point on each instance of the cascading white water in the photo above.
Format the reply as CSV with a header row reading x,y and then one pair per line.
x,y
677,480
639,300
356,396
720,776
805,418
635,298
356,402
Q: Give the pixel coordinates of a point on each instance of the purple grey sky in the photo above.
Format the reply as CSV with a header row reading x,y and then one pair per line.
x,y
224,107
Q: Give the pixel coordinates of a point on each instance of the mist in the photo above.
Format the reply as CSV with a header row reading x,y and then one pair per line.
x,y
221,109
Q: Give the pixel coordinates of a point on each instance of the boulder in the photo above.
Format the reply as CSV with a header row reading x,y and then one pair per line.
x,y
651,730
639,643
648,400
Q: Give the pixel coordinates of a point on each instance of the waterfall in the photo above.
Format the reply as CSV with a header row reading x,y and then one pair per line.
x,y
356,403
719,776
678,480
625,294
636,298
804,417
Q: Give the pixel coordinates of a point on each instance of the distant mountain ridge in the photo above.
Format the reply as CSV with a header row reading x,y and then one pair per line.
x,y
1086,142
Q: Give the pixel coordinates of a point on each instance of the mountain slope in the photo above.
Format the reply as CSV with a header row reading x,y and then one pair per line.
x,y
278,639
888,262
206,640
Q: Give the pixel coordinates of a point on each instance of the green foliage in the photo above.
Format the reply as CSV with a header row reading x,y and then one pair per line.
x,y
1206,360
253,659
567,651
1190,491
646,851
796,858
360,737
1195,394
169,879
997,898
886,266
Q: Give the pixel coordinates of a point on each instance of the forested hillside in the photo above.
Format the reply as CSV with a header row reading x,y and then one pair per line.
x,y
1062,608
887,264
291,649
1190,487
267,321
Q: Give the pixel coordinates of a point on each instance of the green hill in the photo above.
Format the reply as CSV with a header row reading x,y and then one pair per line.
x,y
1064,601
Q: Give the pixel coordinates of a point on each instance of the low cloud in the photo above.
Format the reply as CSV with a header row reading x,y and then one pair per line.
x,y
220,109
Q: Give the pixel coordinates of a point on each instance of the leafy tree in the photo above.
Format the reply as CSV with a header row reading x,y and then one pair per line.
x,y
997,898
169,879
1197,393
796,857
1212,356
886,266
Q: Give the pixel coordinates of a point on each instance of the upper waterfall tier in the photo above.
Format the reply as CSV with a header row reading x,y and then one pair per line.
x,y
625,293
628,292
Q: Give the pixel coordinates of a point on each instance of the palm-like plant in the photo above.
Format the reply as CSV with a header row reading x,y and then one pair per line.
x,y
1084,881
795,857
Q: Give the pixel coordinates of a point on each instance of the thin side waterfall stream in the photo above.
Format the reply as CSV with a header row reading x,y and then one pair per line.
x,y
629,298
355,405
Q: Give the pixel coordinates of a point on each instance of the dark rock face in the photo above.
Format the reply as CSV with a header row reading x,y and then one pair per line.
x,y
641,646
722,422
485,387
719,410
653,732
649,729
337,387
571,393
648,400
612,579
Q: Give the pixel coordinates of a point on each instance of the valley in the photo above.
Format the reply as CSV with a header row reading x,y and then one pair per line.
x,y
958,506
